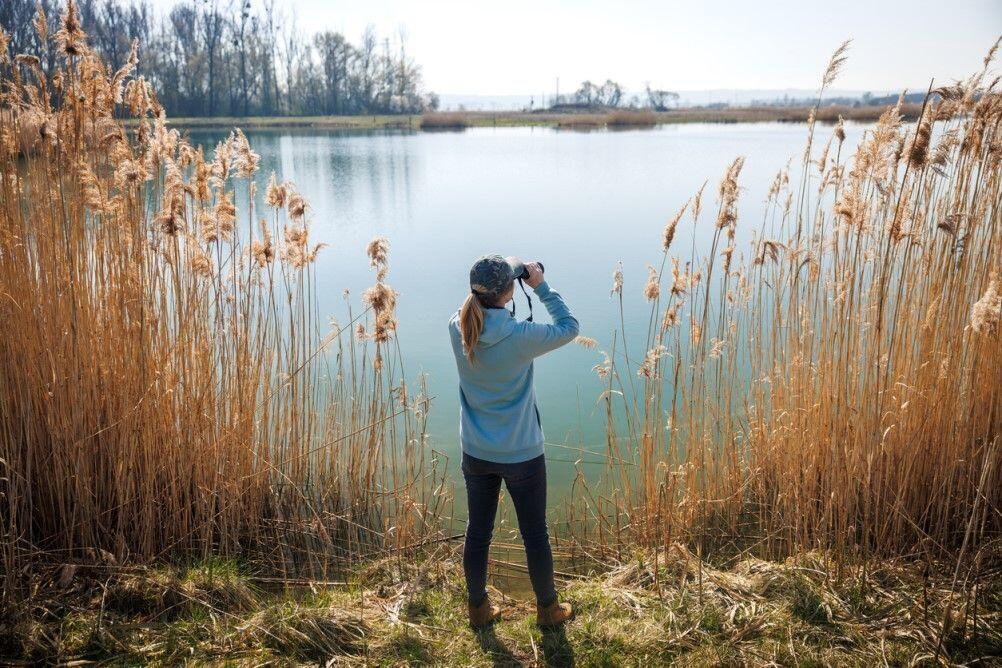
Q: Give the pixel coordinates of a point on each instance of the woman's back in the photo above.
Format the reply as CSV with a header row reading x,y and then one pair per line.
x,y
499,420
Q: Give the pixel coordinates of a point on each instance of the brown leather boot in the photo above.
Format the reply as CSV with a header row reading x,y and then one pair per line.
x,y
554,614
484,614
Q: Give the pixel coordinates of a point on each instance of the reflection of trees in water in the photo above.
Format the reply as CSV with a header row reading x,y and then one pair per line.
x,y
354,177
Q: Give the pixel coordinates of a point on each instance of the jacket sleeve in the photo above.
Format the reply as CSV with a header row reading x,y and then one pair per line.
x,y
537,339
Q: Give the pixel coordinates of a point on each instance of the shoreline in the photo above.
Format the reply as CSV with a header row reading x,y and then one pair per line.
x,y
590,120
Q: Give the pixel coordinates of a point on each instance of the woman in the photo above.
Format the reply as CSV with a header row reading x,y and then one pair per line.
x,y
500,428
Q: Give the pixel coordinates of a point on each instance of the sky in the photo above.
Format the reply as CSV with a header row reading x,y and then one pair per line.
x,y
520,47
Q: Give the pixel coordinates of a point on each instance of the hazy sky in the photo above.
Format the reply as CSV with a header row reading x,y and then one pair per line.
x,y
521,46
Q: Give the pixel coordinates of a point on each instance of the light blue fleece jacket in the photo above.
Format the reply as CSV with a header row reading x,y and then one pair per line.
x,y
498,418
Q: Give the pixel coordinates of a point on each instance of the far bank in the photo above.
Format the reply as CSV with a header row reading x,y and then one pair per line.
x,y
588,120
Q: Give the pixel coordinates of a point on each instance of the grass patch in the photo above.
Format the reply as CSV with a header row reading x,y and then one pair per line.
x,y
307,633
215,586
686,613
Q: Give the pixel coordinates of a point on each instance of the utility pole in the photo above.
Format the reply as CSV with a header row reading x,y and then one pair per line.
x,y
556,100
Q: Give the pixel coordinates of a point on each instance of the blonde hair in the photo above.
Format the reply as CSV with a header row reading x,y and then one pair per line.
x,y
471,323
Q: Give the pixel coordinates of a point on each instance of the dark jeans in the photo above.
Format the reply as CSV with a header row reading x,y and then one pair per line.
x,y
526,482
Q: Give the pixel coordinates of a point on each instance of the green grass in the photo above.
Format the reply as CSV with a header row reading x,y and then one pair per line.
x,y
792,613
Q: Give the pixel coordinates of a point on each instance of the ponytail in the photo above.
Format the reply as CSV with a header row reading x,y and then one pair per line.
x,y
471,324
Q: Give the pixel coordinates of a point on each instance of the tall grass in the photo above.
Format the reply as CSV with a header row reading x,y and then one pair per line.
x,y
841,383
166,384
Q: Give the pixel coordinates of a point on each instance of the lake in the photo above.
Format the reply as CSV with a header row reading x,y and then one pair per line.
x,y
578,201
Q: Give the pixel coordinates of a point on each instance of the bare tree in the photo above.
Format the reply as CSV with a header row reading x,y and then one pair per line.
x,y
291,40
213,25
610,94
334,51
270,92
659,100
179,70
240,46
367,62
586,94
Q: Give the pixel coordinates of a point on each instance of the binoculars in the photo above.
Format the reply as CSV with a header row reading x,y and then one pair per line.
x,y
519,270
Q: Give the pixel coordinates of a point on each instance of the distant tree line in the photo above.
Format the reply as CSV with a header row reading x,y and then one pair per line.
x,y
230,58
867,99
611,94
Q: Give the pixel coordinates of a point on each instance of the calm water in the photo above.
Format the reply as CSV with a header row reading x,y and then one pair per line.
x,y
579,202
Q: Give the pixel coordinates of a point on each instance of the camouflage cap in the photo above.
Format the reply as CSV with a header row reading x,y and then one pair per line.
x,y
491,276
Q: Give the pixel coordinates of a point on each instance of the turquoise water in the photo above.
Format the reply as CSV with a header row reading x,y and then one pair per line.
x,y
579,202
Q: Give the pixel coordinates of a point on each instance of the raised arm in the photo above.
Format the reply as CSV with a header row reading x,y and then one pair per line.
x,y
537,339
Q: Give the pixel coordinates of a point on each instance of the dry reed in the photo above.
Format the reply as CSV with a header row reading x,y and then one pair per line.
x,y
580,121
840,385
444,121
165,382
631,118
